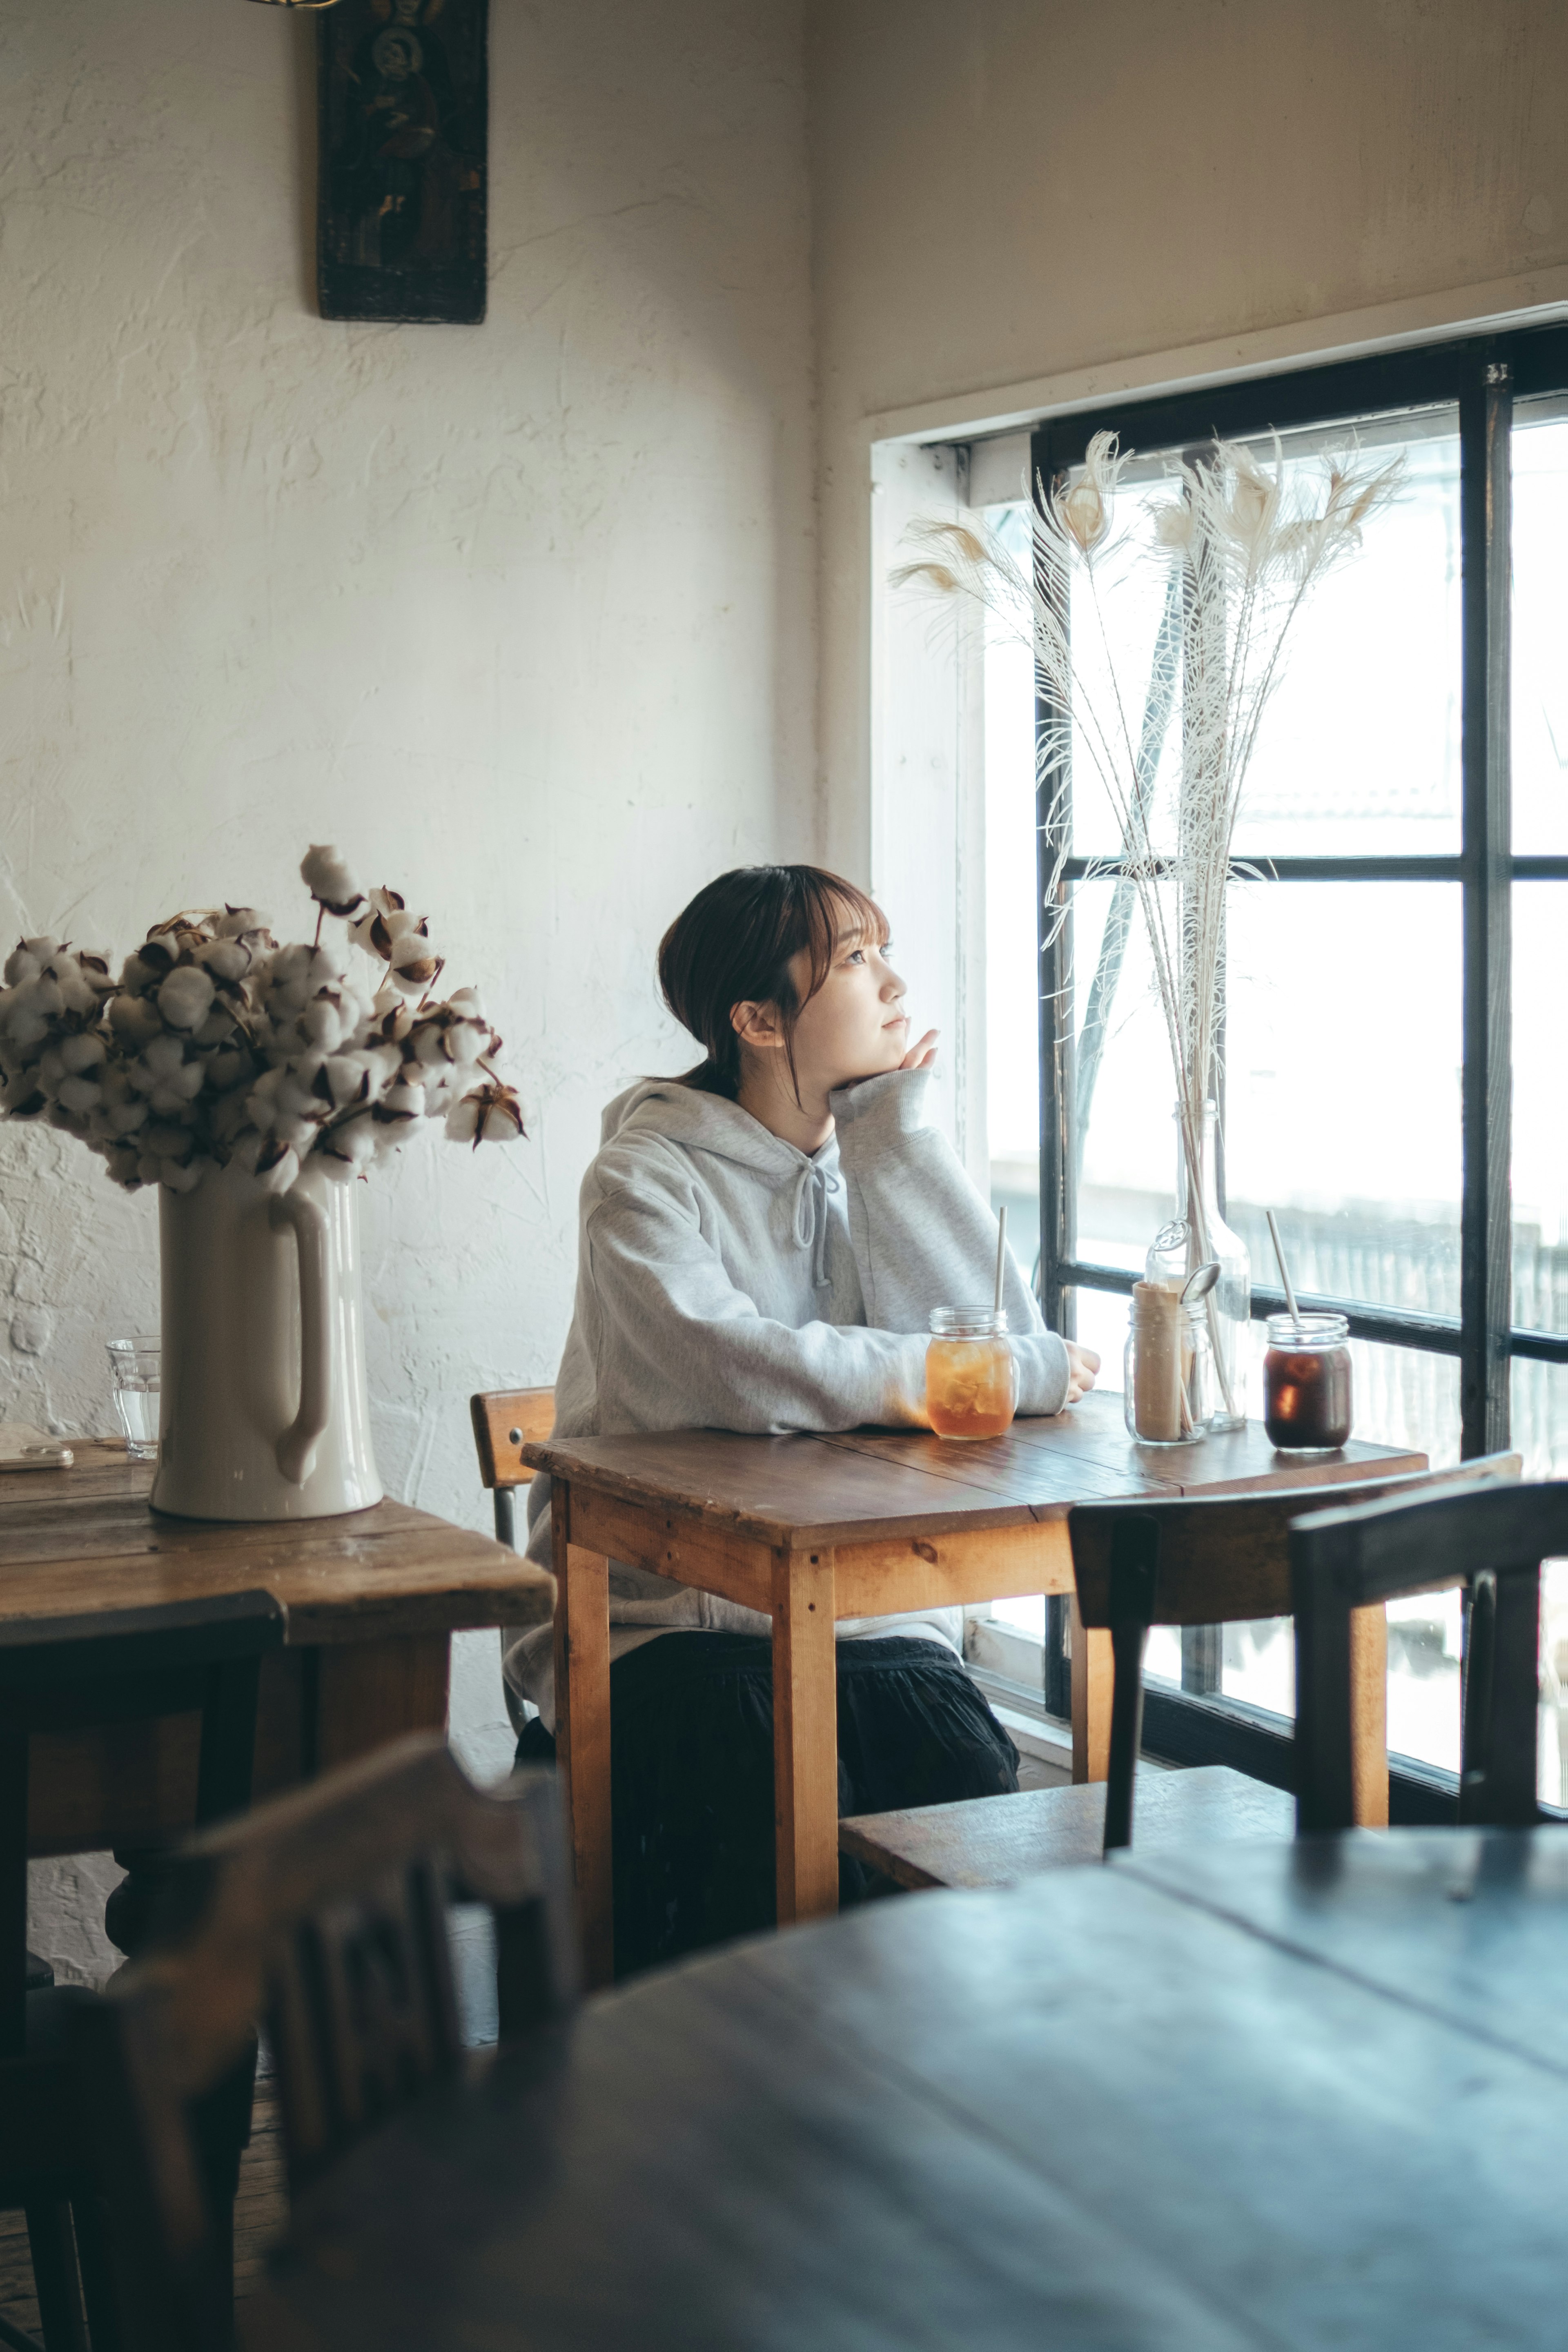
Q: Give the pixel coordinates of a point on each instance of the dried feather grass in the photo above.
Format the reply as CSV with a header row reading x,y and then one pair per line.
x,y
1241,544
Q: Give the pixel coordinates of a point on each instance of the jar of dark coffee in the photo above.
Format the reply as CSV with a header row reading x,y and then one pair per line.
x,y
1307,1383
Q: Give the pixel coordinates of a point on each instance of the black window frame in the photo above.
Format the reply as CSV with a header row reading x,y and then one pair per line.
x,y
1481,377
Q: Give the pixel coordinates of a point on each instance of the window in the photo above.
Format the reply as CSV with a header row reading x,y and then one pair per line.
x,y
1395,926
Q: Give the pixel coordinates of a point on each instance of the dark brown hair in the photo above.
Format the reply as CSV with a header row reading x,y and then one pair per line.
x,y
734,944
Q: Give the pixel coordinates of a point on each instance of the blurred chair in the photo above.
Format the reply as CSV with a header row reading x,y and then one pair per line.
x,y
1492,1544
505,1418
1209,1561
324,1913
70,1673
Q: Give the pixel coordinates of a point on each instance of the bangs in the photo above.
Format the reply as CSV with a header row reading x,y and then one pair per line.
x,y
831,910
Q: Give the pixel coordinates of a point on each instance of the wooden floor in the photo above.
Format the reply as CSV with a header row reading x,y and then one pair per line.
x,y
259,2214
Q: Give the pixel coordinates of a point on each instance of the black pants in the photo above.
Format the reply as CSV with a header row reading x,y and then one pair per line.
x,y
691,1773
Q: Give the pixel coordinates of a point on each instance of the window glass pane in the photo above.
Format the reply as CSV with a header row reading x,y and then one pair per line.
x,y
1540,714
1539,1404
1358,750
1344,1054
1355,1144
1011,916
1540,1108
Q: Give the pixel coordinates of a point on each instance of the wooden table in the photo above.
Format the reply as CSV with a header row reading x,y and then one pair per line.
x,y
1271,2098
372,1598
811,1529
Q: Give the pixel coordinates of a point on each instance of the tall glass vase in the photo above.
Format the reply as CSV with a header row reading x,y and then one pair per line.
x,y
1200,1234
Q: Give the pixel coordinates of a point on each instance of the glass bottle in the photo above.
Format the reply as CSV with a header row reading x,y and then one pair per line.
x,y
971,1376
1168,1369
1307,1383
1204,1236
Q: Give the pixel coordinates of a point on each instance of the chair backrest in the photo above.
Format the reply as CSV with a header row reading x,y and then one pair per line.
x,y
324,1912
505,1418
1490,1542
1207,1560
69,1674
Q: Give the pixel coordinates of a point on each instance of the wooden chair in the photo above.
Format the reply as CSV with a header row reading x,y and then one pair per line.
x,y
70,1673
503,1420
1210,1560
1492,1543
322,1911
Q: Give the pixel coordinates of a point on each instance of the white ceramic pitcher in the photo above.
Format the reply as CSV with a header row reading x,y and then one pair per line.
x,y
265,1405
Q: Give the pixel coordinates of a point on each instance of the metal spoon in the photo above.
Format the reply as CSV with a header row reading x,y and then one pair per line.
x,y
1200,1282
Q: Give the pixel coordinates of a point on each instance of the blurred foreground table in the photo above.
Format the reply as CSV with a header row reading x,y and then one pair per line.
x,y
1283,2095
372,1598
811,1529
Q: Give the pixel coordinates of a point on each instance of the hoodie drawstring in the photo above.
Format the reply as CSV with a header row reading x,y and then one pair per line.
x,y
810,1217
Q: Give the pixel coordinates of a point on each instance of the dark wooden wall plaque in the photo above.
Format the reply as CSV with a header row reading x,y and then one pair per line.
x,y
403,129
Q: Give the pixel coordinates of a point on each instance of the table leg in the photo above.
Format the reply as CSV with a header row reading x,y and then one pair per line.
x,y
1092,1682
1369,1717
806,1736
583,1733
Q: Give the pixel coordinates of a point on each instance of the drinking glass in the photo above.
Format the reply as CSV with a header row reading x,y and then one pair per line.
x,y
134,1364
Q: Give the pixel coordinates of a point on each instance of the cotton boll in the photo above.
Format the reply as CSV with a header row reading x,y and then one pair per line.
x,y
186,1178
325,874
467,1004
290,963
50,1070
302,1092
82,1052
347,1077
81,1095
217,1028
134,1020
76,994
125,1117
323,1023
395,1022
334,1165
298,1134
463,1121
384,1063
488,1115
122,1164
352,1142
241,922
415,964
186,998
400,1106
274,1165
163,1056
227,958
22,964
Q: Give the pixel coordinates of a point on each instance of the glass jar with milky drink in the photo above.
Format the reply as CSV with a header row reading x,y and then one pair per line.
x,y
1169,1380
972,1380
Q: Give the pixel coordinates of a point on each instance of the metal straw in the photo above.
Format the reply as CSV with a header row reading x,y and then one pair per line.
x,y
1284,1269
1001,1250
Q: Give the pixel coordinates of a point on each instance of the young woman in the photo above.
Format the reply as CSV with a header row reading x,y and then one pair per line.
x,y
760,1243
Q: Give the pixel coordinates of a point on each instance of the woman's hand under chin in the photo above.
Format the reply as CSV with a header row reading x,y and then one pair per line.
x,y
922,1056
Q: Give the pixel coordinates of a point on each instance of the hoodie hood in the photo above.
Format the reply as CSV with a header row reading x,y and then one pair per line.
x,y
704,1122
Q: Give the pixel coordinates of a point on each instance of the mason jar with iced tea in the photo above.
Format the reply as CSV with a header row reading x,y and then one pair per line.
x,y
971,1378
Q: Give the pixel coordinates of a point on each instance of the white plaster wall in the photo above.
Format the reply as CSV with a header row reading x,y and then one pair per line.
x,y
1011,191
521,616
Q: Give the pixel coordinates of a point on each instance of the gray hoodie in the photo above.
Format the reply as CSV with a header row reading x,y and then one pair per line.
x,y
726,1280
